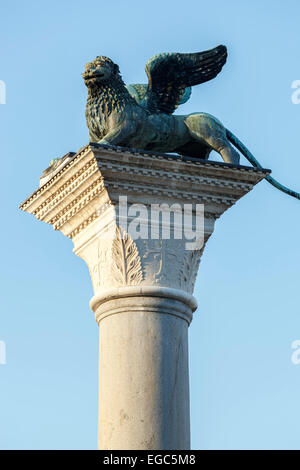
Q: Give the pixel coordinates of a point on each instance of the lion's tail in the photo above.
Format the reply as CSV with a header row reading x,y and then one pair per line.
x,y
244,151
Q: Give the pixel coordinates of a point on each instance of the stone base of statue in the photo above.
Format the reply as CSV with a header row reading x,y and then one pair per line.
x,y
140,221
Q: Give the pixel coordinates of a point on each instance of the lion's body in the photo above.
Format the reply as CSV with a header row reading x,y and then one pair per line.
x,y
115,118
141,116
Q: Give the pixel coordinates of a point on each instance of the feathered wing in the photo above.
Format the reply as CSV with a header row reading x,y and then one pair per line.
x,y
170,74
138,92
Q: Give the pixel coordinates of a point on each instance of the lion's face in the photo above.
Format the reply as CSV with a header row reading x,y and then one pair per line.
x,y
101,70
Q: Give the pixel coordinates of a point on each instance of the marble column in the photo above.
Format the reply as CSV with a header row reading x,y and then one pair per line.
x,y
110,201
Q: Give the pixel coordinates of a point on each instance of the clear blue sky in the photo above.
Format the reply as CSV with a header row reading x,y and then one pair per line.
x,y
244,387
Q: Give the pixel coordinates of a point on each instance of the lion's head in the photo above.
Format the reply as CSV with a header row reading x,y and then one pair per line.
x,y
102,70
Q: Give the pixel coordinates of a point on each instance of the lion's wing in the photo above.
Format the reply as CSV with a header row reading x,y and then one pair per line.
x,y
138,91
169,74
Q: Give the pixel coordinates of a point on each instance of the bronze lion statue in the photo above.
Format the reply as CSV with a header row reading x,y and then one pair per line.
x,y
141,116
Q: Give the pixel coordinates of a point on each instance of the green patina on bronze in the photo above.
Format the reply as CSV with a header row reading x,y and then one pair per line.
x,y
141,116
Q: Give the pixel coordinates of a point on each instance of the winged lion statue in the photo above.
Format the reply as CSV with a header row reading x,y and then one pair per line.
x,y
141,116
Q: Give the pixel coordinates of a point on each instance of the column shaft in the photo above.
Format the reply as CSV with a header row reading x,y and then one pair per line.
x,y
143,375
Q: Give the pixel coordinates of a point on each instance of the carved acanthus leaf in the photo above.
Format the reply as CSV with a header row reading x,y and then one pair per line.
x,y
188,272
126,268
